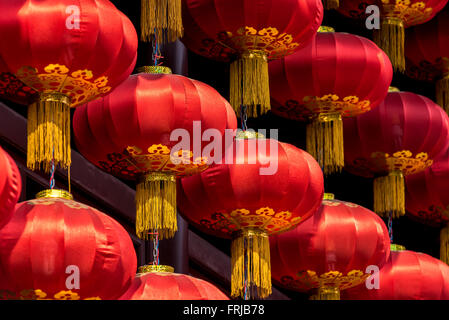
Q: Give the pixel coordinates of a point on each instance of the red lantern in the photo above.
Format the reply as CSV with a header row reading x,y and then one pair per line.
x,y
337,75
124,136
331,250
10,187
427,55
56,248
249,33
239,201
157,282
396,16
407,275
400,137
72,52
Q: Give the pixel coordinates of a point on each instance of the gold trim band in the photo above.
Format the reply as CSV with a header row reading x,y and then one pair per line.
x,y
156,268
55,97
396,247
328,196
154,70
323,29
158,176
393,89
54,193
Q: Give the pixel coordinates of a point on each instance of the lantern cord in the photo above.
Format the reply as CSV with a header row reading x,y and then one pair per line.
x,y
155,237
243,118
156,50
390,226
52,171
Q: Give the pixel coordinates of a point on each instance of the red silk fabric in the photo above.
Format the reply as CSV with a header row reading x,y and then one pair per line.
x,y
340,237
10,187
143,111
45,236
34,34
171,286
340,64
427,48
208,22
296,186
407,275
427,193
404,121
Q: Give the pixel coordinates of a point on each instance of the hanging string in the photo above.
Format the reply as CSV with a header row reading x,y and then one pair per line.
x,y
390,226
243,118
52,171
155,236
156,50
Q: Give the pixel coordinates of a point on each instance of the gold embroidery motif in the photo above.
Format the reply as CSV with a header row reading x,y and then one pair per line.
x,y
37,294
331,103
51,201
306,280
428,71
410,13
79,85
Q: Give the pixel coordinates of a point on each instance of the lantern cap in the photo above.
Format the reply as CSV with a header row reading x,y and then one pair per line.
x,y
249,134
329,196
323,29
154,70
54,193
396,247
393,89
148,268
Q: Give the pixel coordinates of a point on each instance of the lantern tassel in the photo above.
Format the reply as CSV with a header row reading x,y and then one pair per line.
x,y
48,131
331,4
251,268
389,195
390,38
326,293
162,17
325,142
442,92
156,205
249,84
444,244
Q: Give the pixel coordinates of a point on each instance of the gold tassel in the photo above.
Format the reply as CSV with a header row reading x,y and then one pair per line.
x,y
156,205
48,129
326,293
444,244
163,17
443,92
390,38
389,194
249,84
325,142
250,260
331,4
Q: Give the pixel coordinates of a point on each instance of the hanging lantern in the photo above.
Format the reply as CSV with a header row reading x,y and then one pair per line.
x,y
396,15
239,200
70,55
249,34
427,197
427,55
337,75
400,137
161,19
128,134
10,187
158,282
57,248
407,275
331,250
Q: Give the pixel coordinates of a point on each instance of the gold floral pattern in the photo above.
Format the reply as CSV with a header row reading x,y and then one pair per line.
x,y
15,90
268,40
336,203
80,85
37,294
51,201
428,70
409,11
331,103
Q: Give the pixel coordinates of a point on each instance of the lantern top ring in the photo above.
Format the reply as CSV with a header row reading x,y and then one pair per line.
x,y
328,196
156,268
54,193
393,89
154,70
326,29
396,247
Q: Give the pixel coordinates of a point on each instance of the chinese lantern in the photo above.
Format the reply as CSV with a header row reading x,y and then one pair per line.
x,y
337,75
129,134
161,20
239,200
158,282
427,55
396,15
407,275
72,52
10,187
57,248
400,137
330,251
249,34
427,199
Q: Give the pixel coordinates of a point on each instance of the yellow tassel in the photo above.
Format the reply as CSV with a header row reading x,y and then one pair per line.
x,y
156,205
48,129
250,260
390,38
325,142
443,92
326,293
249,84
444,244
163,17
331,4
389,194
